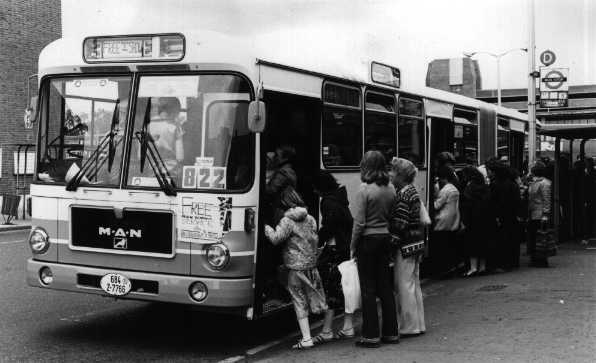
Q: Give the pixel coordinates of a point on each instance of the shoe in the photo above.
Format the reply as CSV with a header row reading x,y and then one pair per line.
x,y
303,344
390,340
323,338
410,335
366,344
342,334
470,273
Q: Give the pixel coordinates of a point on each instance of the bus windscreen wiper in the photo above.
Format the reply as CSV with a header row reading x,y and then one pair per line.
x,y
157,164
106,142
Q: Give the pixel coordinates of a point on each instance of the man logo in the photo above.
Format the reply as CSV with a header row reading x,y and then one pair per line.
x,y
121,243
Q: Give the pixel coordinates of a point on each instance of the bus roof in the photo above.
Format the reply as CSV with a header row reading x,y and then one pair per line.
x,y
65,55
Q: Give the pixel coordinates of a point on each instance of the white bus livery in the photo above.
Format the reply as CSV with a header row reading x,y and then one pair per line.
x,y
151,151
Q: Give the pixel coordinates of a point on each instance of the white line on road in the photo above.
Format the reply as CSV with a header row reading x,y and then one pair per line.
x,y
11,242
260,348
235,359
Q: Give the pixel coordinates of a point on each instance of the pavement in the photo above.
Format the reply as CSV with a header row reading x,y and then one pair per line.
x,y
16,225
526,315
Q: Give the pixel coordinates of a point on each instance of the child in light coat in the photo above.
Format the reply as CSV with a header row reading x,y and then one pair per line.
x,y
297,231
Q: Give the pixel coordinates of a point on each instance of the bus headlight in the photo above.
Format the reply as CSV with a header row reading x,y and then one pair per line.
x,y
218,255
46,276
198,291
39,241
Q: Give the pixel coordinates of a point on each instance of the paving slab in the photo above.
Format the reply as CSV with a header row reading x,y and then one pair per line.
x,y
525,315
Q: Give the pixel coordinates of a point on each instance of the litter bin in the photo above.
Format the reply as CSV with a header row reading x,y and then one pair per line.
x,y
10,207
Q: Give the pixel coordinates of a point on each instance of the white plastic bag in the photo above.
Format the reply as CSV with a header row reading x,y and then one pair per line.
x,y
350,284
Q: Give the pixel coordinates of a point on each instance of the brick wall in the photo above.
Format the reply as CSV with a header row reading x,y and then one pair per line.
x,y
26,26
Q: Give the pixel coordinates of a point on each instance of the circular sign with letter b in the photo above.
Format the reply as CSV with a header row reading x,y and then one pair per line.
x,y
548,57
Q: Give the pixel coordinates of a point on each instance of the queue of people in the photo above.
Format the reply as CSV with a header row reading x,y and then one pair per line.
x,y
483,215
383,223
475,221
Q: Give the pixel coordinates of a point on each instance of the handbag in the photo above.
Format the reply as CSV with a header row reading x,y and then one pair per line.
x,y
412,249
409,249
416,248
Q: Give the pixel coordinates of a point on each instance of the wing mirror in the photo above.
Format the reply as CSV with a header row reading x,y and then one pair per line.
x,y
30,113
257,116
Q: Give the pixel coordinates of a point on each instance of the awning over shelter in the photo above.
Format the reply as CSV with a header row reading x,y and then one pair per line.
x,y
569,131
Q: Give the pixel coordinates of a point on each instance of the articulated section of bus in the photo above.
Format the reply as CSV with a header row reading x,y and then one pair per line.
x,y
146,188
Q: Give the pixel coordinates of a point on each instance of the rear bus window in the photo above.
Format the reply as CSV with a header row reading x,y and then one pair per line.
x,y
342,126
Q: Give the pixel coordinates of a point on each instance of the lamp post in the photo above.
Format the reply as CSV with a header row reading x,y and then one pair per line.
x,y
498,58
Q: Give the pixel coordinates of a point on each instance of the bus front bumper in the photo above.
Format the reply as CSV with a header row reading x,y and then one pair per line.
x,y
224,293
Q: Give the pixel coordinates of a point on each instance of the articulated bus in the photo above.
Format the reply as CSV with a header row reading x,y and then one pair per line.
x,y
151,152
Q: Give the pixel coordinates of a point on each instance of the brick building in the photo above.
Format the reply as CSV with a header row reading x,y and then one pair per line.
x,y
457,75
26,26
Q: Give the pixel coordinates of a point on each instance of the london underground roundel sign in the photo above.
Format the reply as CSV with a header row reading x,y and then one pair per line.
x,y
554,79
548,57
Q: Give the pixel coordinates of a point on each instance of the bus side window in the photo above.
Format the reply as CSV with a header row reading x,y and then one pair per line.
x,y
379,124
465,136
411,131
342,126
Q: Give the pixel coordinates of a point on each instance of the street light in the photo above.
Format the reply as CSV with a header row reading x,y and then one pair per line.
x,y
498,58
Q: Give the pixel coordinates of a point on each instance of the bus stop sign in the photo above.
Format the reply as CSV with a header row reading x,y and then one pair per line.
x,y
553,87
547,57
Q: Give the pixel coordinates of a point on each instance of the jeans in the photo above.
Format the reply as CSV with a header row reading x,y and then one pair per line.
x,y
373,253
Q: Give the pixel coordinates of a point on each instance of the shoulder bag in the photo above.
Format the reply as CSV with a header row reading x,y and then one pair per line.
x,y
416,243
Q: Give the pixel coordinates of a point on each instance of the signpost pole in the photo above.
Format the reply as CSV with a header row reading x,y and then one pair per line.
x,y
531,86
499,81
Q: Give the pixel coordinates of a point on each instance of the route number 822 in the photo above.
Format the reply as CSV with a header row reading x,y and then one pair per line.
x,y
204,177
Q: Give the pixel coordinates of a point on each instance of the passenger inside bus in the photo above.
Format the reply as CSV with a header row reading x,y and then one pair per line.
x,y
283,180
167,133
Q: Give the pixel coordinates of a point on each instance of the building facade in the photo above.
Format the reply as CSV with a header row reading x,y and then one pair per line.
x,y
26,26
457,75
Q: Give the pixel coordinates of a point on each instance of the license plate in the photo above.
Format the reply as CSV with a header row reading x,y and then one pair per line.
x,y
115,284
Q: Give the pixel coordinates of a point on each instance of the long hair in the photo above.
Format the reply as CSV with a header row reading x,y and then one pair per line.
x,y
539,169
325,182
372,168
472,175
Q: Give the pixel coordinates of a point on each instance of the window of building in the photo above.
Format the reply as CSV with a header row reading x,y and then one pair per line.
x,y
465,137
411,131
380,124
342,126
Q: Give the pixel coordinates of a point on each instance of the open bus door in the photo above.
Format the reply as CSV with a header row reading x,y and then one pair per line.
x,y
295,121
439,122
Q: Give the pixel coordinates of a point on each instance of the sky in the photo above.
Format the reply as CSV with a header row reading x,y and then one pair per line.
x,y
408,34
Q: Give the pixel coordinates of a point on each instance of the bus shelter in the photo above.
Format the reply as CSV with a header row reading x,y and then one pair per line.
x,y
574,185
